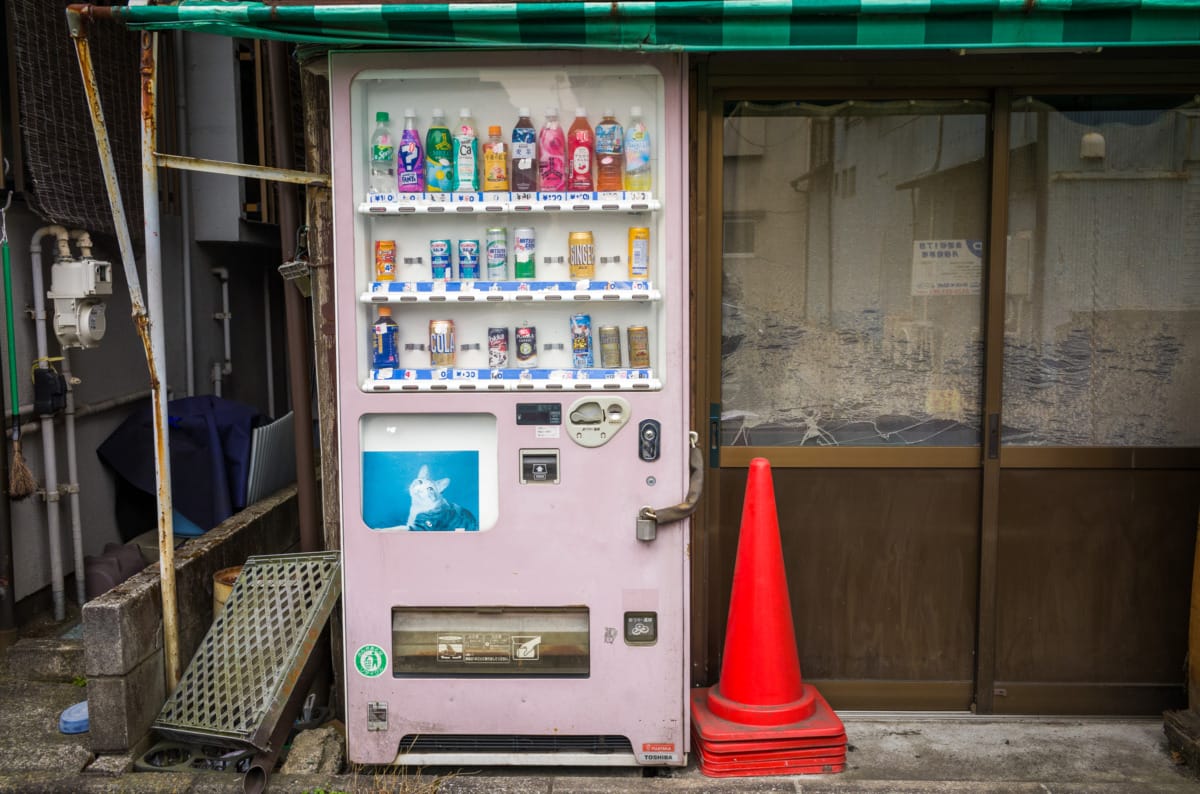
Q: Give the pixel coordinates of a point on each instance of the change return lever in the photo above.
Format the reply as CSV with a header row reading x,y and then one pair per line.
x,y
649,518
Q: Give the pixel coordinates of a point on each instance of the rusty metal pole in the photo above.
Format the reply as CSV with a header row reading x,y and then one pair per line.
x,y
294,305
155,344
150,333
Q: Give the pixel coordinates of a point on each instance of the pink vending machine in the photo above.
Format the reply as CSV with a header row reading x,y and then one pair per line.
x,y
513,397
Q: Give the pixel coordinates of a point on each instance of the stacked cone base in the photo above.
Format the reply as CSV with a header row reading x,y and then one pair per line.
x,y
815,745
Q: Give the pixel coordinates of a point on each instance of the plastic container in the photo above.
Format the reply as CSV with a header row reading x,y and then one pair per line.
x,y
223,582
410,156
637,153
466,154
382,178
524,172
581,144
439,155
552,154
610,154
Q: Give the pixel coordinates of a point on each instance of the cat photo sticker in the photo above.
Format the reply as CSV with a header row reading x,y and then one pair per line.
x,y
422,491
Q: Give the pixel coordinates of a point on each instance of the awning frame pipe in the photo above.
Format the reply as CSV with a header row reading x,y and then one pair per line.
x,y
151,333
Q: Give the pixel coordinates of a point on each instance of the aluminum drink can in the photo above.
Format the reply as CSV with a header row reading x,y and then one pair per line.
x,y
468,260
385,260
526,346
441,343
524,249
497,254
439,255
581,341
639,252
639,347
581,254
610,346
497,348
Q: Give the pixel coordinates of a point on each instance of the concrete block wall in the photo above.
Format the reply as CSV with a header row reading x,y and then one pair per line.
x,y
122,629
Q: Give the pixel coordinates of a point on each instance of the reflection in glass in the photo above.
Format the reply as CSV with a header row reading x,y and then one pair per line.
x,y
1102,329
852,273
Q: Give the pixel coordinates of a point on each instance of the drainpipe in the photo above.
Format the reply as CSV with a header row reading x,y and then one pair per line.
x,y
220,370
294,304
49,448
83,242
185,210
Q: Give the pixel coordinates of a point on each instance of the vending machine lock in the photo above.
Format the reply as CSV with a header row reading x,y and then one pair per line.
x,y
647,525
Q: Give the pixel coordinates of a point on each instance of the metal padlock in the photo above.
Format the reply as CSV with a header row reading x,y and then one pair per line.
x,y
647,525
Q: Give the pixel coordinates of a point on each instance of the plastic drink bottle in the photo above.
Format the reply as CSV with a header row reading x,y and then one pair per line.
x,y
385,352
580,144
439,155
466,154
610,154
495,161
552,153
524,153
382,180
637,152
410,159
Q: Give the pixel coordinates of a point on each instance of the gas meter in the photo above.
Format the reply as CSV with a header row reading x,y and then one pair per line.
x,y
75,285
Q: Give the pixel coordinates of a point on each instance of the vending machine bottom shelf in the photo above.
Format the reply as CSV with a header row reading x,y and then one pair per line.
x,y
446,379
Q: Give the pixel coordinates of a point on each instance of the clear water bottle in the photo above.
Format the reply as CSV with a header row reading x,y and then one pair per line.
x,y
382,178
637,152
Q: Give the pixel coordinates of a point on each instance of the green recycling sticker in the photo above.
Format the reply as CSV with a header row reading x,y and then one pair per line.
x,y
370,661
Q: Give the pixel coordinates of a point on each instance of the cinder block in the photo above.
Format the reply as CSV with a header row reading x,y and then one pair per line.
x,y
121,708
124,626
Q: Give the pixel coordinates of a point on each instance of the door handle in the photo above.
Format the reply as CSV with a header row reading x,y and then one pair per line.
x,y
649,518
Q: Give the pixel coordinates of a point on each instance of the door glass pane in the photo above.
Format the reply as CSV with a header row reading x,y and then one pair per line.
x,y
1102,316
852,273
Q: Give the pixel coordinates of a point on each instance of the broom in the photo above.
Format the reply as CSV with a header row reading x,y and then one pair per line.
x,y
21,482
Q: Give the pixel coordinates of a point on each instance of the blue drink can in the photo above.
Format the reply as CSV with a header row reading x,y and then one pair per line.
x,y
439,255
468,260
581,341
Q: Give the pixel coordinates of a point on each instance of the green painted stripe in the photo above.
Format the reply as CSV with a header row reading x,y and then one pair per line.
x,y
958,31
698,25
1112,27
893,31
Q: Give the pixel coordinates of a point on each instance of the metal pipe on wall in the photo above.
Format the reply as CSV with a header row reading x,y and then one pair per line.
x,y
294,304
156,357
185,211
49,447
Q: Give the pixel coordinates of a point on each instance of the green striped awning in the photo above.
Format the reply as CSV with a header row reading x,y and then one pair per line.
x,y
696,25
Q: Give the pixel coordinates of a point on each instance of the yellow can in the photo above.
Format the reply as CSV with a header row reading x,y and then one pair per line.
x,y
581,254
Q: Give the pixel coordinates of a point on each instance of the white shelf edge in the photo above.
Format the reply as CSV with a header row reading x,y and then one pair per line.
x,y
490,298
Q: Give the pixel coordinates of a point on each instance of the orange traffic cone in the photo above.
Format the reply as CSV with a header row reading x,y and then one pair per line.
x,y
761,718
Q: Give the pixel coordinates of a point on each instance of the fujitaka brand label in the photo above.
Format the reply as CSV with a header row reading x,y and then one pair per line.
x,y
659,751
370,661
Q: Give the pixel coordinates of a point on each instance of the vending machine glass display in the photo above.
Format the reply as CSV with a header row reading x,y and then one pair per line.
x,y
511,285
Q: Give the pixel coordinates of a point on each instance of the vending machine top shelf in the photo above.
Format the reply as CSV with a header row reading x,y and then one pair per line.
x,y
507,203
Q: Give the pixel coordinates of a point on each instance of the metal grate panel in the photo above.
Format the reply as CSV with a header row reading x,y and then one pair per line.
x,y
512,743
245,669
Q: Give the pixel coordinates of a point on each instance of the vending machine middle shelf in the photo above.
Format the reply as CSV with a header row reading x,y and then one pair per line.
x,y
510,379
508,291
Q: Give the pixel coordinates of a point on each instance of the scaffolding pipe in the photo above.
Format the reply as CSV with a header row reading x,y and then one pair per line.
x,y
156,355
151,335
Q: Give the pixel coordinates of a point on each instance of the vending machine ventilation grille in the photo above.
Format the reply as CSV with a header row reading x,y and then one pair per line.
x,y
512,743
245,669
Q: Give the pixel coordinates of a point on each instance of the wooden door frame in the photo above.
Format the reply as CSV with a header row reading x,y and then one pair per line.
x,y
995,79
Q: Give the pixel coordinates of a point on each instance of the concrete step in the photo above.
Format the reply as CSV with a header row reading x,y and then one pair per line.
x,y
46,659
